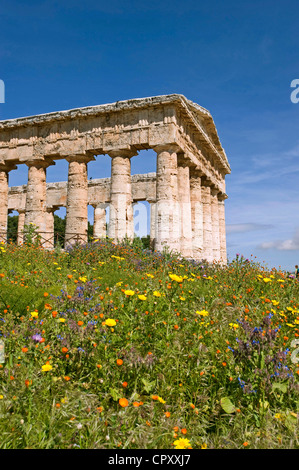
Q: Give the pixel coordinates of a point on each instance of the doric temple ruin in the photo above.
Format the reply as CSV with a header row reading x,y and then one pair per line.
x,y
186,194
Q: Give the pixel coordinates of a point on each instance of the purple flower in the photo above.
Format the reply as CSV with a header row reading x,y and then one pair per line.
x,y
37,338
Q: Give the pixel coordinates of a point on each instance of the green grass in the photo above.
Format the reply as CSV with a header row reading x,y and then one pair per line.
x,y
205,355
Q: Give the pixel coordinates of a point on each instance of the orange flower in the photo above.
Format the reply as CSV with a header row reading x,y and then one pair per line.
x,y
27,383
175,428
100,409
67,378
167,414
54,314
46,294
224,364
125,384
119,362
24,350
64,350
245,444
70,276
184,431
176,327
80,322
123,402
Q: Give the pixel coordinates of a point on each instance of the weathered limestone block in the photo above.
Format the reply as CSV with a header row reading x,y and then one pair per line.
x,y
186,248
167,205
215,225
77,200
196,216
36,196
207,223
121,221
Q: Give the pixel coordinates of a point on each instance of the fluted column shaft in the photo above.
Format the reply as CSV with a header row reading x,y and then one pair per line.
x,y
121,220
215,225
196,216
21,222
167,207
207,223
99,221
222,230
185,211
36,196
152,224
77,200
3,203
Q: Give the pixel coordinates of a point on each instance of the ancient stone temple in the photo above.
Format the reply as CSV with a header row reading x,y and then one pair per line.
x,y
186,194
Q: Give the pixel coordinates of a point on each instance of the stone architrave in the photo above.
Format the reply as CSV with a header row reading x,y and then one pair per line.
x,y
186,248
167,206
77,200
99,221
196,216
121,220
215,224
207,223
36,197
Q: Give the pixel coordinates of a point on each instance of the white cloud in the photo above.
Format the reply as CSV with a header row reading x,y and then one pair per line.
x,y
291,244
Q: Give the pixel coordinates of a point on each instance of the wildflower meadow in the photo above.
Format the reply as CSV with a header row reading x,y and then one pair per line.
x,y
107,346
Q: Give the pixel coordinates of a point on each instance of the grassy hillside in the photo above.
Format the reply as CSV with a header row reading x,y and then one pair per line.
x,y
117,347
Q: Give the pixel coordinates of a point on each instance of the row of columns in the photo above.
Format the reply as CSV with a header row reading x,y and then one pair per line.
x,y
187,216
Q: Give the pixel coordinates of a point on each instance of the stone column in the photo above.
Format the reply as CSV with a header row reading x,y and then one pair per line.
x,y
121,221
196,215
152,224
99,221
167,210
49,237
185,211
77,200
222,229
21,222
207,222
36,196
215,225
3,202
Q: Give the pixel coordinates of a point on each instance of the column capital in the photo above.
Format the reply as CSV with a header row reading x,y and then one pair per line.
x,y
39,163
222,196
167,148
5,166
126,153
80,158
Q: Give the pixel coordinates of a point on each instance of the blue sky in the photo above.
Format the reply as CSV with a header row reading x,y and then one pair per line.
x,y
237,59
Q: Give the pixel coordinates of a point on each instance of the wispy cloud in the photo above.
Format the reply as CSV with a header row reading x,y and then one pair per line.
x,y
282,245
247,227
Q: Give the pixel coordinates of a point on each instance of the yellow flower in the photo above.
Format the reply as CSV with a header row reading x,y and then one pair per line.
x,y
176,278
129,292
275,302
204,446
290,324
156,293
1,397
182,443
266,279
142,297
110,322
203,313
61,320
46,367
161,400
34,314
83,279
233,325
182,298
149,275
